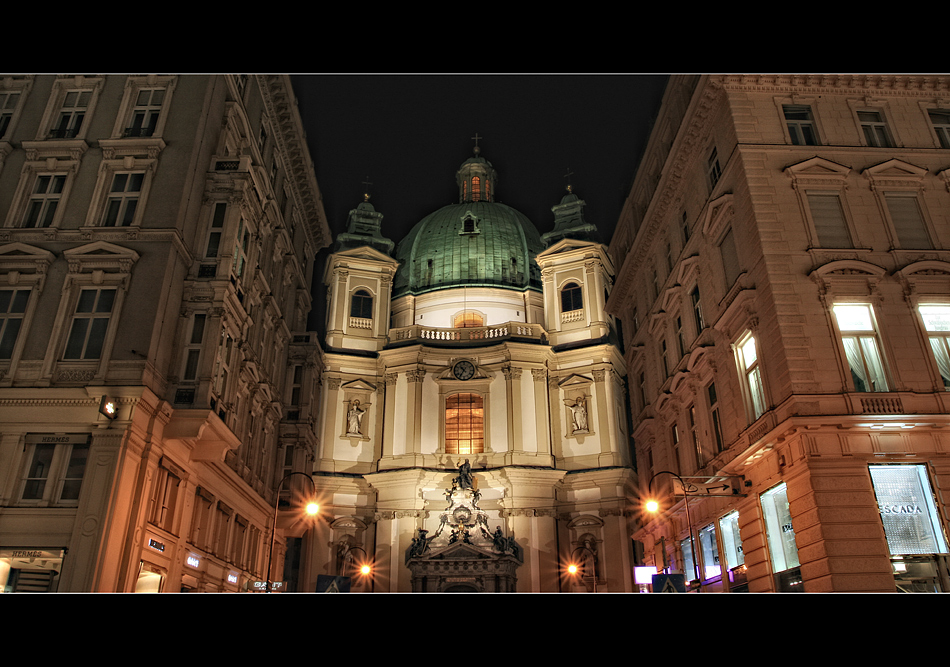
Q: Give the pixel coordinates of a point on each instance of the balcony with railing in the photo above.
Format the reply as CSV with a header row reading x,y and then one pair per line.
x,y
416,333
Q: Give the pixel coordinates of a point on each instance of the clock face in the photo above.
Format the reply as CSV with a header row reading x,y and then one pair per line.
x,y
464,370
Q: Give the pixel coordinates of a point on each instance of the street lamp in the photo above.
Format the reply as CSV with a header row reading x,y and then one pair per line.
x,y
652,506
574,568
312,508
365,568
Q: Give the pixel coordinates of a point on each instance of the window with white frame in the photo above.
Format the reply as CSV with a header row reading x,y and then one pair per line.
x,y
55,466
860,340
146,111
72,113
827,215
874,128
940,119
213,246
697,310
123,199
936,318
163,501
47,192
713,170
801,124
908,220
748,357
90,323
714,415
678,466
571,297
193,347
695,436
13,304
361,305
8,105
241,244
730,258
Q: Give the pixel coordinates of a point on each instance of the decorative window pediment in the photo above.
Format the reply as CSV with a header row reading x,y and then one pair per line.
x,y
895,174
817,171
717,217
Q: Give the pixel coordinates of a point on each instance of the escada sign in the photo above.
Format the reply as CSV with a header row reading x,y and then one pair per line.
x,y
901,509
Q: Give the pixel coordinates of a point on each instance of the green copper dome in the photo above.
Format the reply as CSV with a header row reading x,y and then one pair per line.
x,y
480,243
477,242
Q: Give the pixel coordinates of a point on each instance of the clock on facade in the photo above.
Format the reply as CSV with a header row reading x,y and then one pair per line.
x,y
463,370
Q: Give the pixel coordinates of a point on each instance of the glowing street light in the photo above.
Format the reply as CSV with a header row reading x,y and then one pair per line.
x,y
653,506
312,509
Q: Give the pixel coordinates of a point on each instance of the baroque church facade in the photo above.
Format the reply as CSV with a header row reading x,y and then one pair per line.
x,y
472,426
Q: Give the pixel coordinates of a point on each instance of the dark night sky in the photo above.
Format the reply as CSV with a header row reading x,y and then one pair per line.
x,y
409,134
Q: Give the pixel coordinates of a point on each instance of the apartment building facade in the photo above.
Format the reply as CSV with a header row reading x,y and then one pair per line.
x,y
156,374
784,283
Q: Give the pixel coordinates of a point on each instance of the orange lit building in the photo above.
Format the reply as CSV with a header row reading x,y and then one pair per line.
x,y
784,283
156,250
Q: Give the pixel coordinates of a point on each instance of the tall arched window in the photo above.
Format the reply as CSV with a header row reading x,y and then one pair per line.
x,y
361,305
464,424
476,189
571,297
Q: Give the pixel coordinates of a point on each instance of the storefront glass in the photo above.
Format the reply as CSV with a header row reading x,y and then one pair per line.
x,y
710,552
689,565
731,541
778,526
30,570
908,512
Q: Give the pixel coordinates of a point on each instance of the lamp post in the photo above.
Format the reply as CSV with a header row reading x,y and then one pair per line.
x,y
365,569
312,508
653,506
574,569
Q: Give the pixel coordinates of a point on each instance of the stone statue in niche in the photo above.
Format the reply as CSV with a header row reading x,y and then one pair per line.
x,y
354,418
578,410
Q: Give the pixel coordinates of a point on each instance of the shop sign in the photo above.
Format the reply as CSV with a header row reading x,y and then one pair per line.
x,y
901,509
193,561
155,544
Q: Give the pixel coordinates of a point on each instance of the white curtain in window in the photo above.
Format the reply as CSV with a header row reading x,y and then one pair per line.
x,y
853,351
943,359
875,367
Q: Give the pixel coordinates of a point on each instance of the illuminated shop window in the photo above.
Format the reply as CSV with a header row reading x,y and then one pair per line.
x,y
464,424
778,528
30,570
731,540
859,337
689,564
937,323
710,552
908,511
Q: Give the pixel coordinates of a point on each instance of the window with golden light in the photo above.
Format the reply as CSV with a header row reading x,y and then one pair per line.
x,y
464,424
476,189
467,320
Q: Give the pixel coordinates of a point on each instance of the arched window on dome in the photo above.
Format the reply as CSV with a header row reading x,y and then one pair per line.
x,y
361,305
476,189
468,319
464,424
572,298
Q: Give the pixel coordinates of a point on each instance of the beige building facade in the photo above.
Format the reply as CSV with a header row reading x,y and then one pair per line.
x,y
156,375
473,431
784,283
